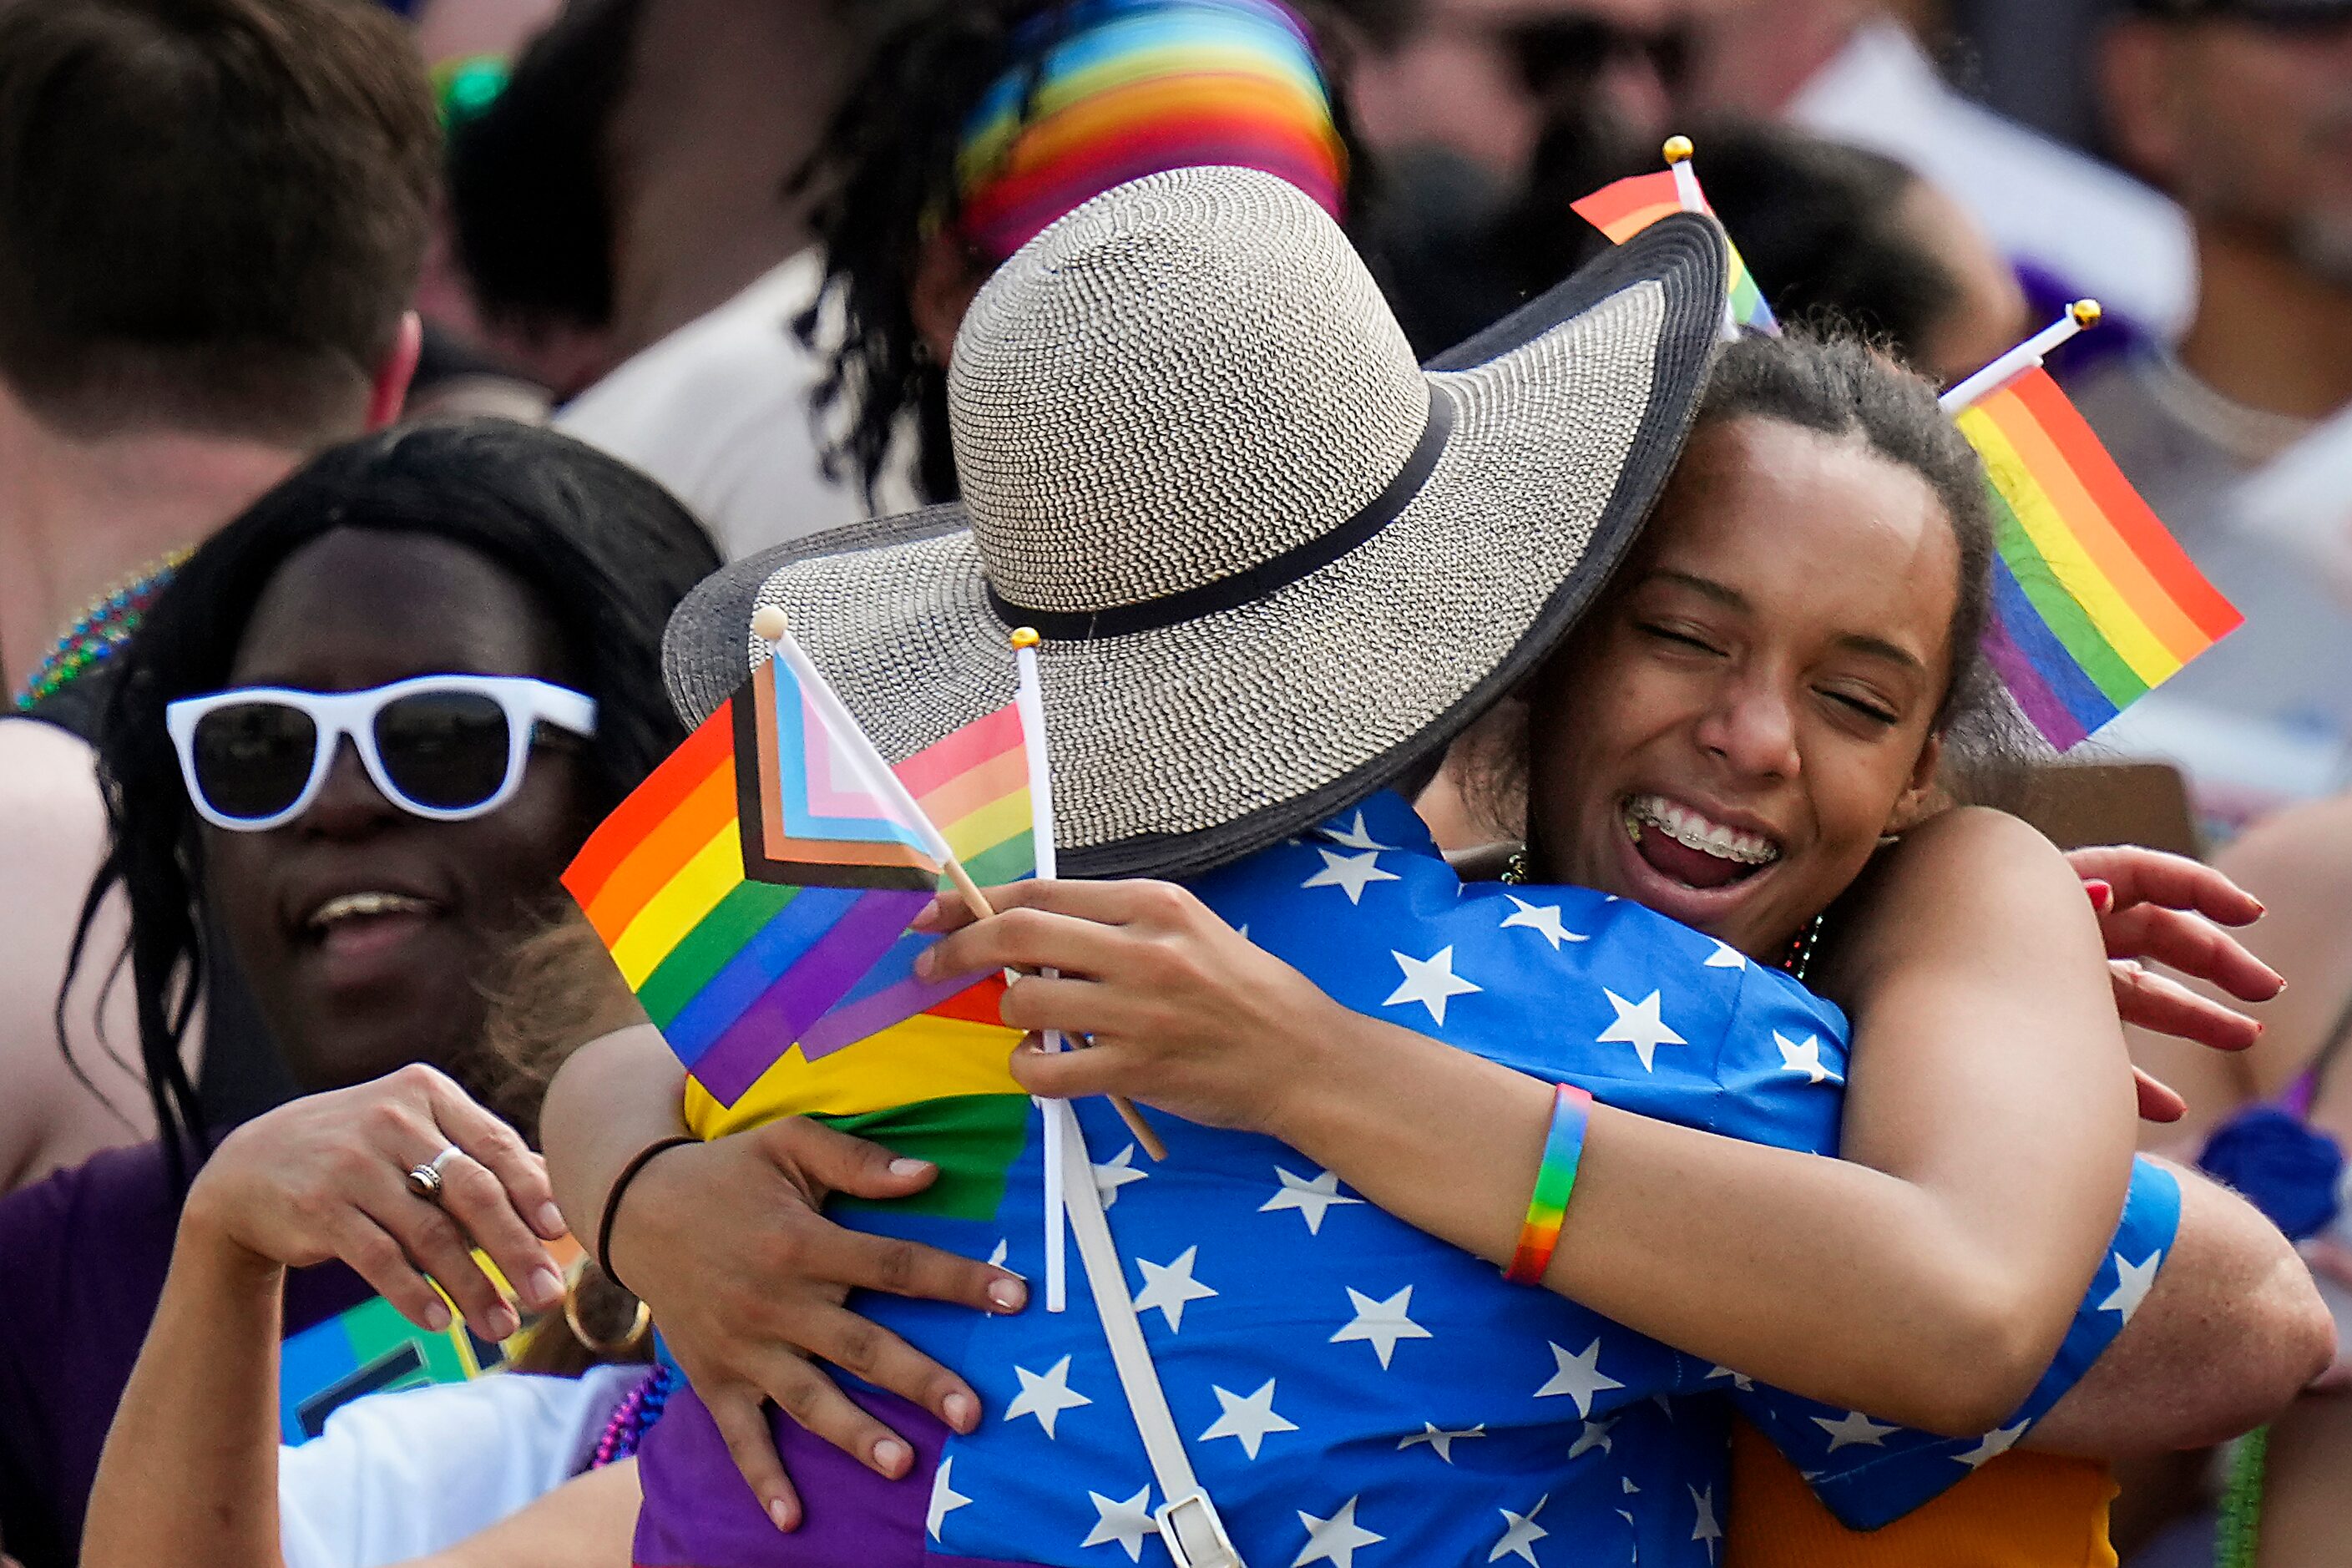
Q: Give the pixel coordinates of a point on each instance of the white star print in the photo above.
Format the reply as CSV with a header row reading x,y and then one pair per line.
x,y
1626,1484
2132,1283
1852,1427
1639,1025
1706,1529
1334,1540
1726,956
1350,873
1117,1172
1805,1058
1440,1443
1168,1286
1541,919
1578,1376
1354,837
1594,1435
945,1498
1381,1323
1247,1420
1044,1397
1128,1523
1311,1199
996,1258
1740,1380
1520,1534
1430,981
1995,1445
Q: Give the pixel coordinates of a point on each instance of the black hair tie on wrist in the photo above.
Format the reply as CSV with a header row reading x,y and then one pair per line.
x,y
613,1201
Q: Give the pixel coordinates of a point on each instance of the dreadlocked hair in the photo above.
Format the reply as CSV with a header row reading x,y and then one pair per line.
x,y
882,182
608,552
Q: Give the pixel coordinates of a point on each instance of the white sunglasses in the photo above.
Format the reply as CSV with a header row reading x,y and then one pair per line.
x,y
442,747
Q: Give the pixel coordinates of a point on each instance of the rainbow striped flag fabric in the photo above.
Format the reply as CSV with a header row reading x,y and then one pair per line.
x,y
1122,89
755,891
2094,602
1624,209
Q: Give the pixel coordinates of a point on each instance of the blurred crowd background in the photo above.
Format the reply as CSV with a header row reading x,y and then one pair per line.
x,y
703,235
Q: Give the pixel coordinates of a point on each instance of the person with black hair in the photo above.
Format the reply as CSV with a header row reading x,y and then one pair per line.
x,y
531,199
954,147
144,403
420,670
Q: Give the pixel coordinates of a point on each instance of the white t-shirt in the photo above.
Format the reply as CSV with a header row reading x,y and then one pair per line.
x,y
2092,229
396,1475
719,412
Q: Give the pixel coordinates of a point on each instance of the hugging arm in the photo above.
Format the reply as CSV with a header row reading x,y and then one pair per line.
x,y
189,1474
2232,1329
1988,1140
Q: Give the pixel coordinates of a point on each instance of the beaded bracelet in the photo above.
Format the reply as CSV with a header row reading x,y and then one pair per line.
x,y
1571,1108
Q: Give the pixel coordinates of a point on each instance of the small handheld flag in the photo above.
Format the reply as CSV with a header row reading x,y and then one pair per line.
x,y
755,892
2094,602
1624,209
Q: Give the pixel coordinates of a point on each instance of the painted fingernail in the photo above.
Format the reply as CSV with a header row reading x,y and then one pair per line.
x,y
2101,894
1009,1295
902,1166
780,1514
546,1287
550,1221
892,1457
962,1411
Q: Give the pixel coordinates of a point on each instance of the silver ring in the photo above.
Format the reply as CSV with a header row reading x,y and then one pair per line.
x,y
427,1181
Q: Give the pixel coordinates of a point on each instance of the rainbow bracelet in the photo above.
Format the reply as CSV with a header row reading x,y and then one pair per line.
x,y
1571,1108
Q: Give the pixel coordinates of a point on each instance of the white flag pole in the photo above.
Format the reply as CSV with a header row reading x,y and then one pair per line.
x,y
1677,152
1030,699
2027,356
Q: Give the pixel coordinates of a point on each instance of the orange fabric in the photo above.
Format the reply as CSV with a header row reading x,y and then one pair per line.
x,y
2020,1510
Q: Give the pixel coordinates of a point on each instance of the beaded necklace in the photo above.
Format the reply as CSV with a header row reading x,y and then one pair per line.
x,y
98,631
634,1418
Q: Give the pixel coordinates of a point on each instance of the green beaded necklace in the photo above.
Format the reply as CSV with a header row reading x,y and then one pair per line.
x,y
96,632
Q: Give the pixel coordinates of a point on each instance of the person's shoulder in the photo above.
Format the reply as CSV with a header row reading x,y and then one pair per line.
x,y
111,1194
49,801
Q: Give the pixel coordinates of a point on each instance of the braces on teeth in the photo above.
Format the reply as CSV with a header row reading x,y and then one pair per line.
x,y
1694,832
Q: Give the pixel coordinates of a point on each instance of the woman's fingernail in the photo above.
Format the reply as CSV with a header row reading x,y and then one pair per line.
x,y
962,1411
780,1513
2101,894
546,1287
892,1457
1009,1295
436,1318
550,1221
903,1166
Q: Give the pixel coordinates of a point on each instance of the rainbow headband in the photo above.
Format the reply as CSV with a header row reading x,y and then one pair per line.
x,y
1128,88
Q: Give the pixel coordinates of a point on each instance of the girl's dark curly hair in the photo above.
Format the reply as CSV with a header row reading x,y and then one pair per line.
x,y
883,180
607,552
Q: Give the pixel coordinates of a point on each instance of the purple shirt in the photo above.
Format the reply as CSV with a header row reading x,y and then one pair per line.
x,y
82,1259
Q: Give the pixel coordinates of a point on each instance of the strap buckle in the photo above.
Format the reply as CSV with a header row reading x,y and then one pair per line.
x,y
1194,1535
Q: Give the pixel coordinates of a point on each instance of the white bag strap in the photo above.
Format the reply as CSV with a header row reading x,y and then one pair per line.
x,y
1189,1525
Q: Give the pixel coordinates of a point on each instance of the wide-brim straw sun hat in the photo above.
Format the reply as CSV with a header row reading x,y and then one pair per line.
x,y
1272,560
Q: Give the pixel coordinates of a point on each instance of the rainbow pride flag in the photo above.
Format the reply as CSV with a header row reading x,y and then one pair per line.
x,y
755,891
1624,209
2094,602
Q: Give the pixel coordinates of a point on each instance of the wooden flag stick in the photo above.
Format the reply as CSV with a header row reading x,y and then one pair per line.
x,y
1119,1102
